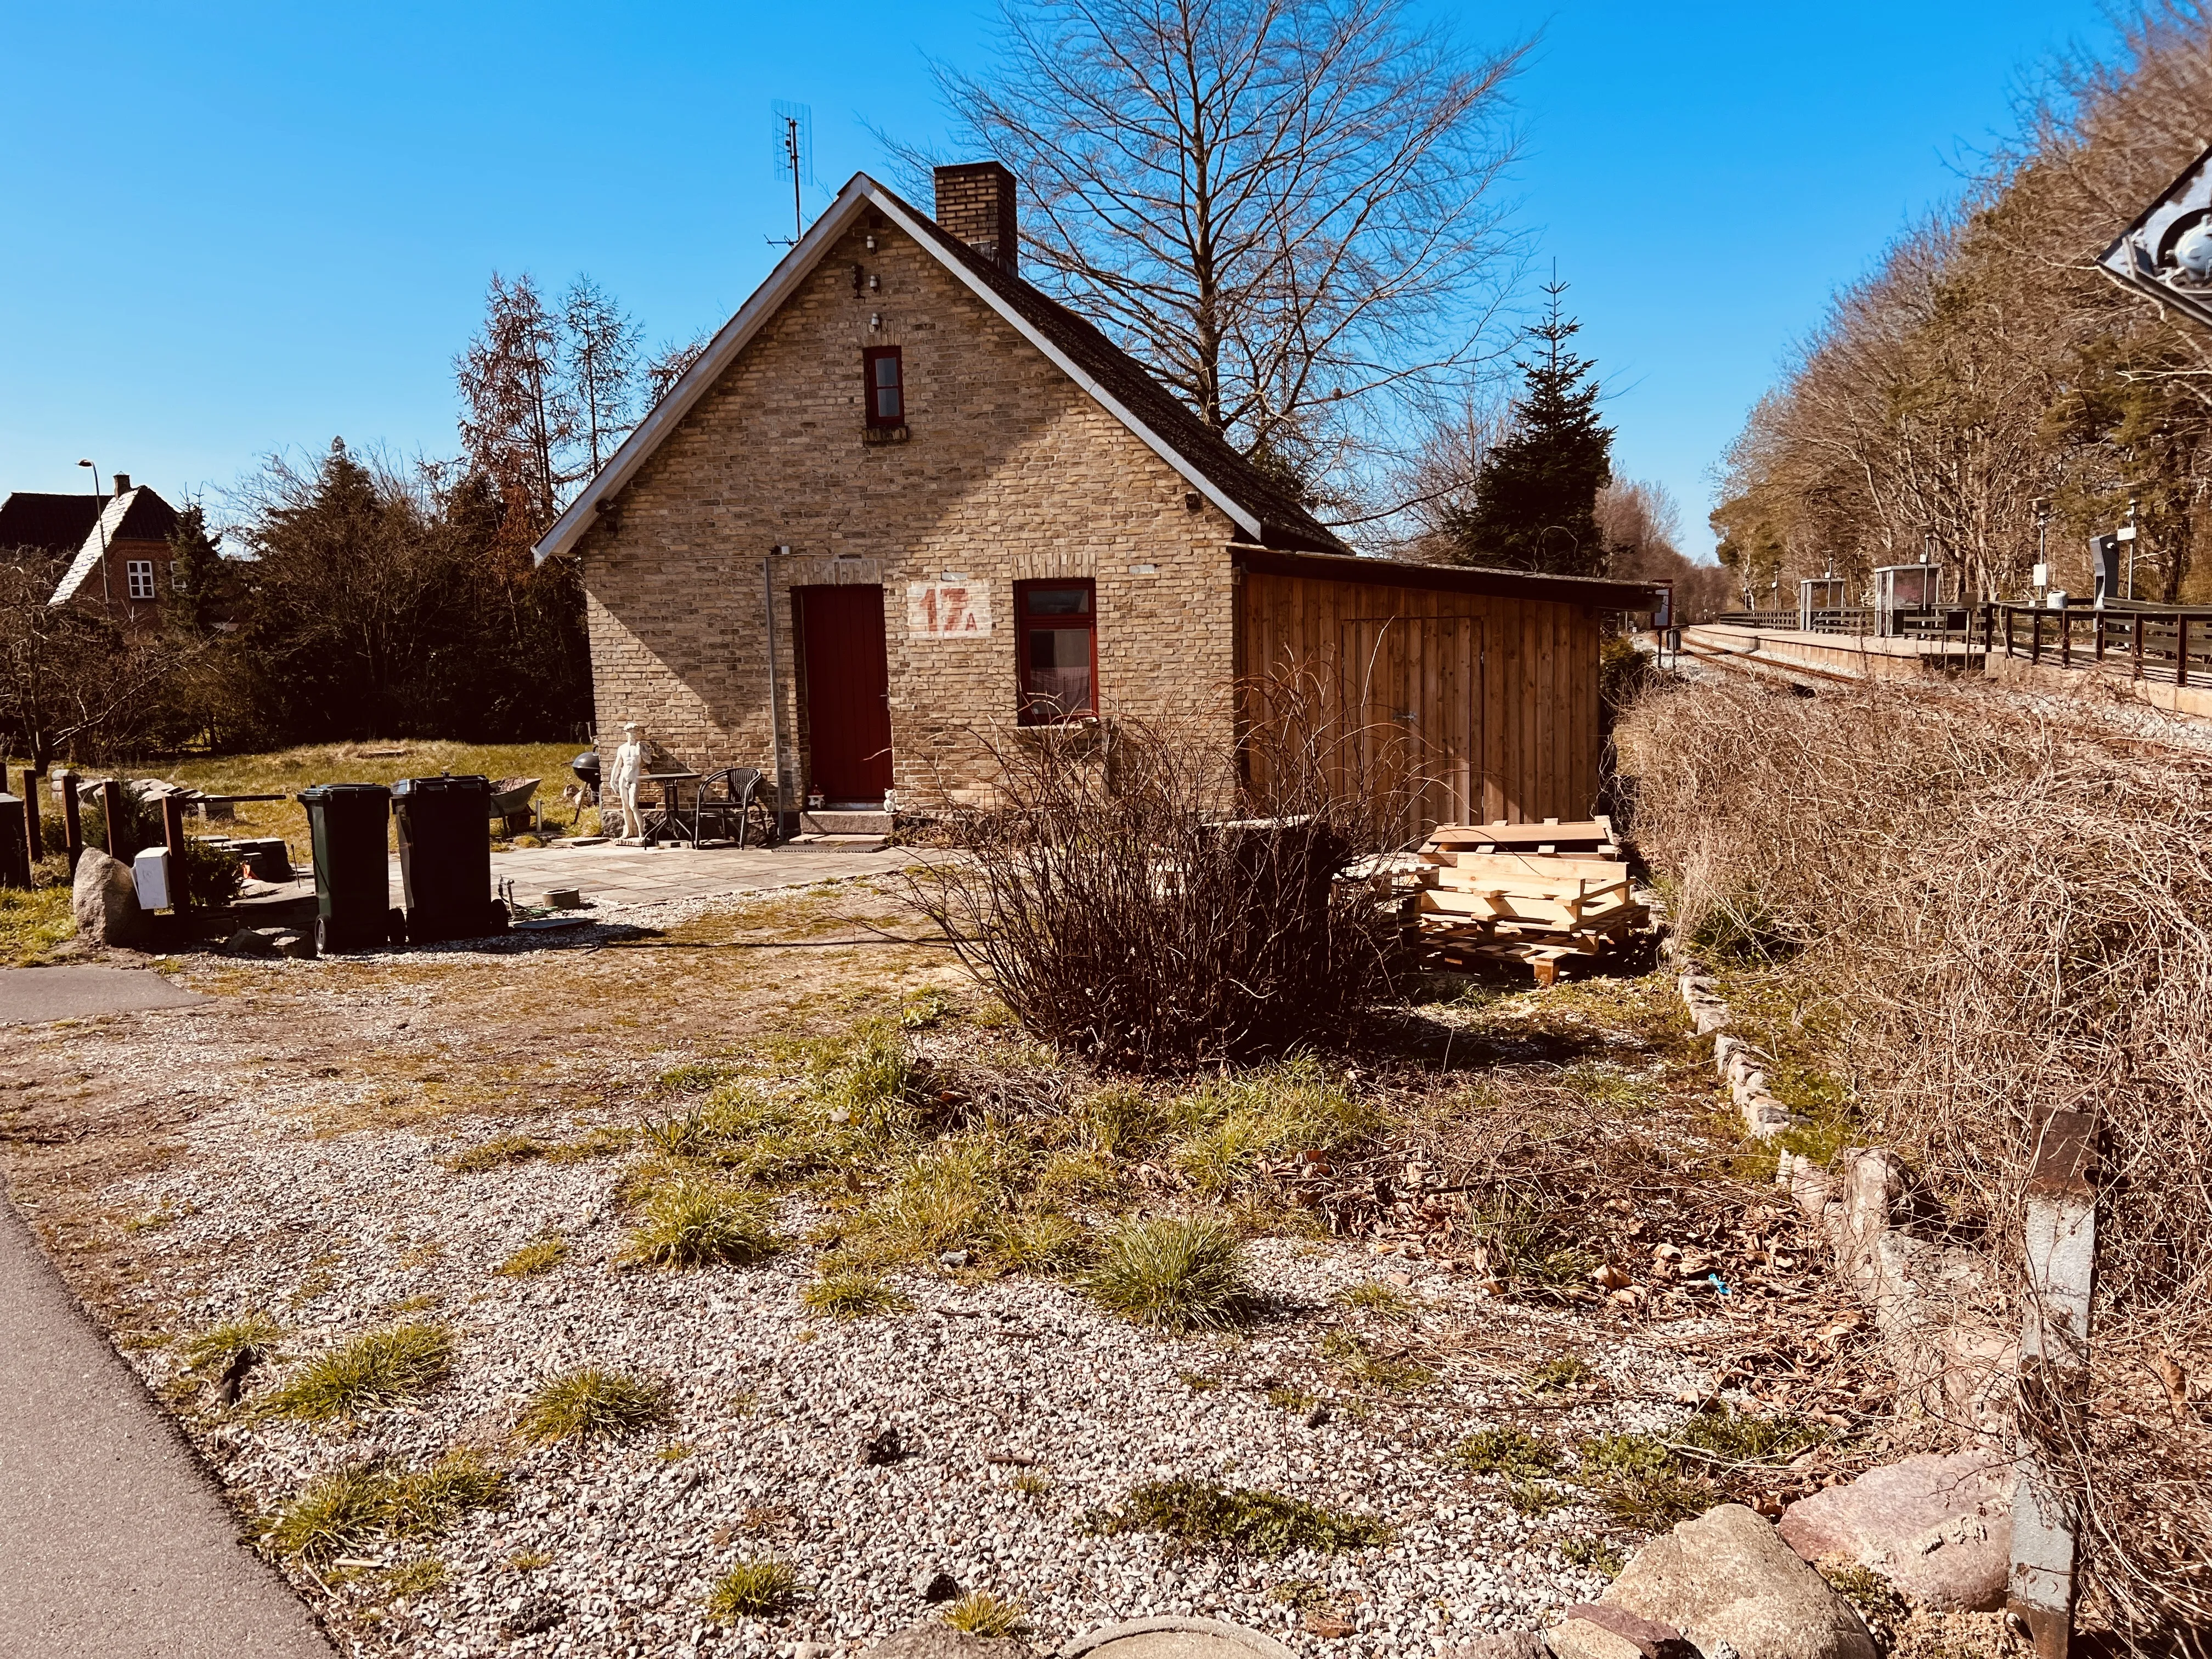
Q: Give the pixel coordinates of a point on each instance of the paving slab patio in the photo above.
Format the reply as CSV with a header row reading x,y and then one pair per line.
x,y
611,875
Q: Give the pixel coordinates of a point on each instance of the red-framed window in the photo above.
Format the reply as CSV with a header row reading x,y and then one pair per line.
x,y
1056,627
884,374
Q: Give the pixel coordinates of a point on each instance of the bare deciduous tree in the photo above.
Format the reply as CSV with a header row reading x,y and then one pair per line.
x,y
1286,208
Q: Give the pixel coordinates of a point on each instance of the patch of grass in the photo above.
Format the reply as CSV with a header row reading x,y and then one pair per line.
x,y
1557,1375
1201,1516
979,1612
1039,1241
215,1351
33,923
1728,1436
496,1153
674,1452
689,1222
852,1296
924,1008
1583,1550
528,1561
1535,1497
695,1077
1032,1484
1197,1381
391,1367
1360,1362
1180,1273
341,1511
605,1142
754,1590
1372,1295
1240,1122
947,1197
1509,1450
1884,1611
1296,1402
416,1579
1639,1481
592,1404
540,1256
1077,1177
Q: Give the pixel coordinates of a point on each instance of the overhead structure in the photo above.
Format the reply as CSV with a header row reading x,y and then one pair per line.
x,y
2166,253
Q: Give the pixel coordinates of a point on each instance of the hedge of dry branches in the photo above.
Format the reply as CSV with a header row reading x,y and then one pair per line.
x,y
1132,898
2017,912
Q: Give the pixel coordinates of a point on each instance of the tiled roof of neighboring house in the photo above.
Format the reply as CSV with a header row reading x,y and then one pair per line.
x,y
138,514
54,524
1261,509
1285,521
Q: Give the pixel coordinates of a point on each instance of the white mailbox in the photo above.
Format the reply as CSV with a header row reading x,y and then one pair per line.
x,y
150,871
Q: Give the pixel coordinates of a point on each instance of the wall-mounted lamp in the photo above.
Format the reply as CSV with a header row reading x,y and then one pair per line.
x,y
872,244
875,321
875,281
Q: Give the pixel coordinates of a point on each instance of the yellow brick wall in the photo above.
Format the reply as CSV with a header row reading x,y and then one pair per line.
x,y
1010,472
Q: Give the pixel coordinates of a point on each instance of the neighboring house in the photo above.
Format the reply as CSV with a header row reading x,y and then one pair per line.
x,y
117,547
904,497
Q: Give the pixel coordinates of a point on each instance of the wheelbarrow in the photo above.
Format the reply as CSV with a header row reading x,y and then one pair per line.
x,y
511,803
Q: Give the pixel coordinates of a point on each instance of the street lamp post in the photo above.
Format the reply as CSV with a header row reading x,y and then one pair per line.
x,y
100,522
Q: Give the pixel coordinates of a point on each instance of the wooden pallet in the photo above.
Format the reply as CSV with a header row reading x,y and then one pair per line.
x,y
1536,894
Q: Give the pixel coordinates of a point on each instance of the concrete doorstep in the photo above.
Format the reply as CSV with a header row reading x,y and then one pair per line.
x,y
115,1542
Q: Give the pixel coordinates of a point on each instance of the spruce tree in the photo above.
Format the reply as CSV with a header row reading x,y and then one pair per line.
x,y
197,587
1536,492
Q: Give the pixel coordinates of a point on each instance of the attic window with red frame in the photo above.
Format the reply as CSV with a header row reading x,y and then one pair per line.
x,y
1056,634
884,374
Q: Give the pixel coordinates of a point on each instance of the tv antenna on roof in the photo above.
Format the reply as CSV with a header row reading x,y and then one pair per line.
x,y
791,130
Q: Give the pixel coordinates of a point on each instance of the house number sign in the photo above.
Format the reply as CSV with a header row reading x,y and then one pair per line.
x,y
947,610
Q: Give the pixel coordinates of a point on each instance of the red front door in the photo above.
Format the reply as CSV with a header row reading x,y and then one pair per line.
x,y
848,686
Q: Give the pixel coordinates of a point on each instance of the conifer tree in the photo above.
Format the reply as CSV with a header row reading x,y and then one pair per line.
x,y
1536,493
196,584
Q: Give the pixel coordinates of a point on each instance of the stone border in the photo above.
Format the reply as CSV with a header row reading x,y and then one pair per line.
x,y
1951,1361
1266,1647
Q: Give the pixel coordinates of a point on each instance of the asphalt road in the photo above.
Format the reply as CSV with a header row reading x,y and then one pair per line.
x,y
29,996
113,1541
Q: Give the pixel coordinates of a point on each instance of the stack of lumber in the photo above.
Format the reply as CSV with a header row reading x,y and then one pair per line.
x,y
1533,893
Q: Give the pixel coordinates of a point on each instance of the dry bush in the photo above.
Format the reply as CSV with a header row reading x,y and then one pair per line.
x,y
1133,897
2015,914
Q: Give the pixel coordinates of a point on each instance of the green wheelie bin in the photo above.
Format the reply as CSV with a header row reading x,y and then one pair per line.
x,y
444,857
346,824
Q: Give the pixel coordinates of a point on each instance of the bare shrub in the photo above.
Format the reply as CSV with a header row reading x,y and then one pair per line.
x,y
1135,896
2017,913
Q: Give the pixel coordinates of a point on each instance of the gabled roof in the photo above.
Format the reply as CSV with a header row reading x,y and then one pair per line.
x,y
1259,507
53,524
1598,592
138,514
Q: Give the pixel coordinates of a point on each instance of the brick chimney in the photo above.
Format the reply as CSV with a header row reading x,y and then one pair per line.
x,y
975,203
123,484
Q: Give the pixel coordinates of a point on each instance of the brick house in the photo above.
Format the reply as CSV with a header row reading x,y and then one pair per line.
x,y
903,496
112,550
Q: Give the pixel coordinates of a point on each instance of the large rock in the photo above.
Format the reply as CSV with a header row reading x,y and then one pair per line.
x,y
106,900
1598,1630
937,1640
1728,1577
1938,1528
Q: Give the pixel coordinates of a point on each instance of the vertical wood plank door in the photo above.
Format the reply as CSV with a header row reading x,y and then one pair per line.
x,y
1412,697
848,691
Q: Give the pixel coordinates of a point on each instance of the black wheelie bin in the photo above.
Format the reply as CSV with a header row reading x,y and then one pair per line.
x,y
444,857
346,824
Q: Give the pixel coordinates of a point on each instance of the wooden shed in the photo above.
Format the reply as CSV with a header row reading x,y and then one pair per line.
x,y
1490,676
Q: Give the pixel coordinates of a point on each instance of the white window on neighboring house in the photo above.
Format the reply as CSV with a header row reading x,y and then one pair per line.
x,y
139,573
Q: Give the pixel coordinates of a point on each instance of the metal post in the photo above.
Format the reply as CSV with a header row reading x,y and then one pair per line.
x,y
111,808
2181,650
33,832
72,817
2061,1241
172,834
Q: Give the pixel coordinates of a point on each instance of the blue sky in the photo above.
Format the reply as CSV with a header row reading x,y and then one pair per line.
x,y
237,230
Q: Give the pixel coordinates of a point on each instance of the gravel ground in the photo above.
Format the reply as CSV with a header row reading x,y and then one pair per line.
x,y
267,1198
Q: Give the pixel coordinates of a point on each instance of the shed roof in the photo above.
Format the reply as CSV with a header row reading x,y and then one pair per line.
x,y
1256,504
1595,592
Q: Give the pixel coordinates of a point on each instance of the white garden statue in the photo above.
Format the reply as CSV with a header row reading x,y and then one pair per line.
x,y
628,769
